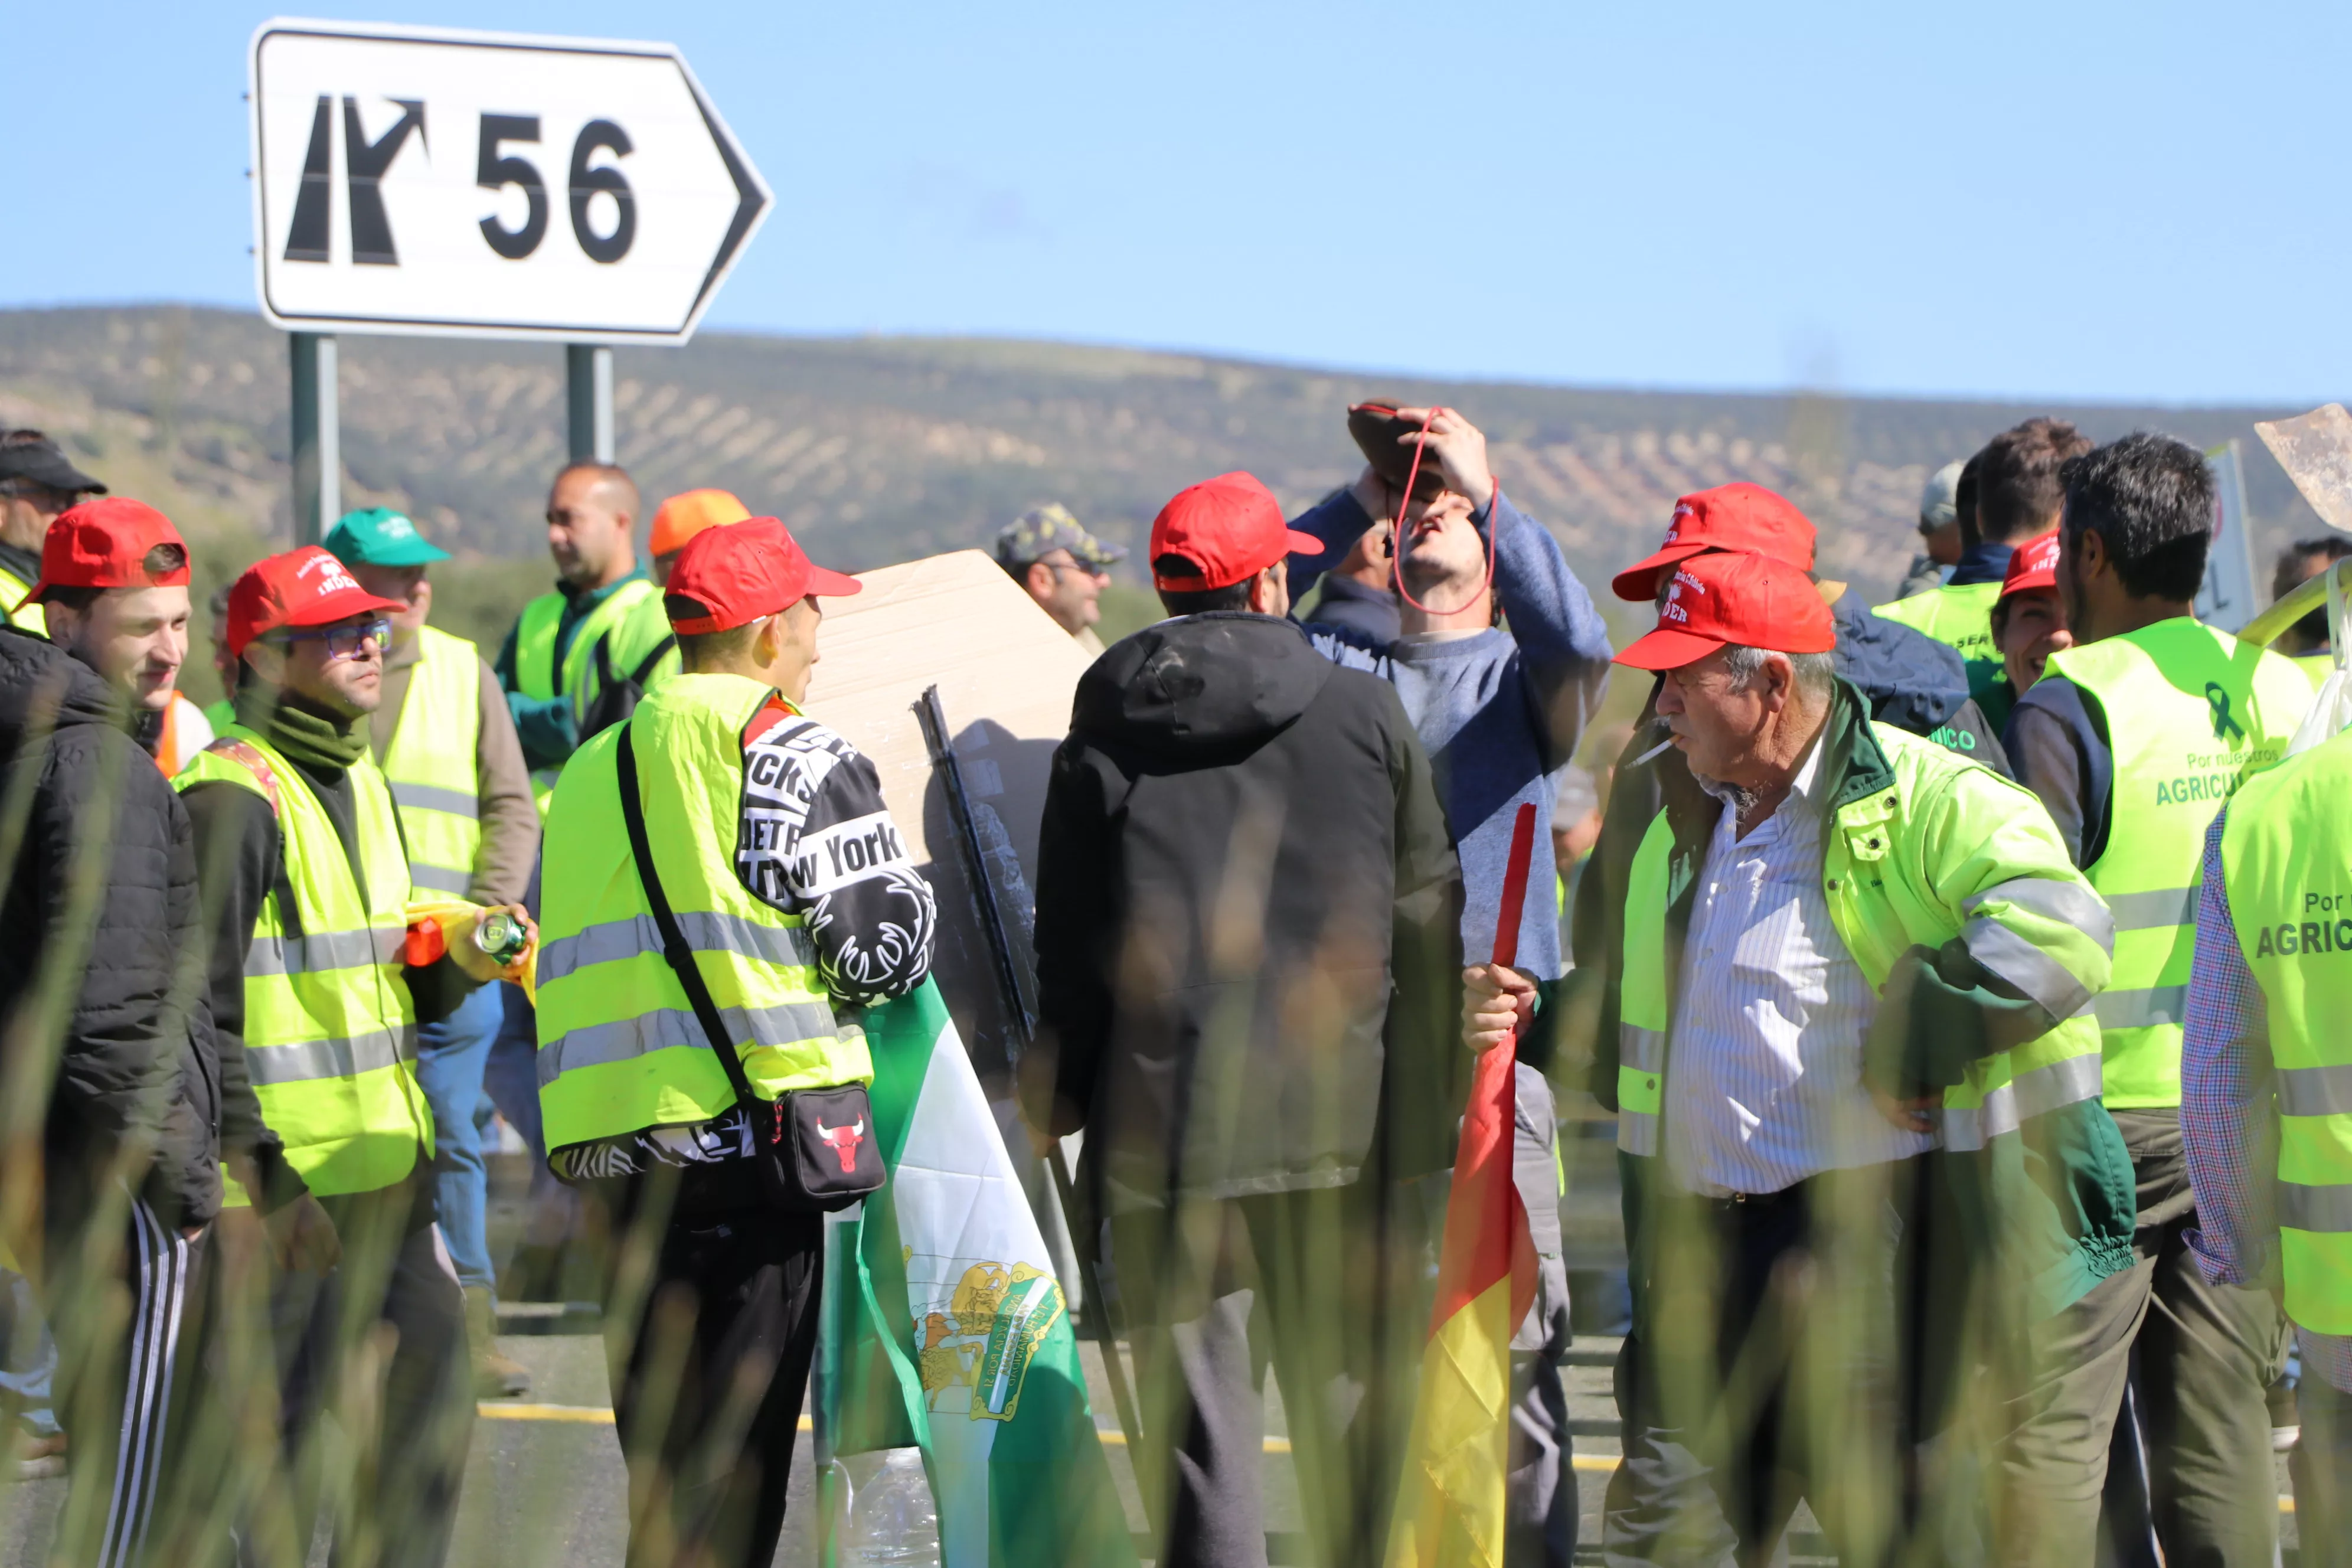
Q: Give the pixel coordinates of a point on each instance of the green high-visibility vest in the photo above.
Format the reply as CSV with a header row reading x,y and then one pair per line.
x,y
643,640
1948,851
431,763
2286,862
31,617
536,672
2191,713
619,1048
1960,617
329,1027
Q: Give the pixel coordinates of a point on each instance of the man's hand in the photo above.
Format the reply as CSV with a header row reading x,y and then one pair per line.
x,y
1459,449
1911,1115
1496,1004
458,933
301,1238
1373,494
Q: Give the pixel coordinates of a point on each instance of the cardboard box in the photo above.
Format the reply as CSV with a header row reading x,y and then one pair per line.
x,y
1006,673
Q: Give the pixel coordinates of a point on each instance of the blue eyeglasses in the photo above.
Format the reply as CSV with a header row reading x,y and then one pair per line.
x,y
342,641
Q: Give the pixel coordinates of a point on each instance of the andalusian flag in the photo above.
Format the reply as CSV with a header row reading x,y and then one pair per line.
x,y
946,1329
1450,1505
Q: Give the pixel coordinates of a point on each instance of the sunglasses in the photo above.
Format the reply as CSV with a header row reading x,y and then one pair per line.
x,y
342,641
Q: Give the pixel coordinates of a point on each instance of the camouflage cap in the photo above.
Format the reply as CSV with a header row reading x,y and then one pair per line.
x,y
1038,533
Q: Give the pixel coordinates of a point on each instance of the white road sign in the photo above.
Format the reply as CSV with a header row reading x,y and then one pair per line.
x,y
490,185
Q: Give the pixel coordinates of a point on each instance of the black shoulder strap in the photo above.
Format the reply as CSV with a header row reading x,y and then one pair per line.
x,y
678,956
646,665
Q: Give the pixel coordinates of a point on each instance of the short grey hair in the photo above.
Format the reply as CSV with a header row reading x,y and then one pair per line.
x,y
1815,673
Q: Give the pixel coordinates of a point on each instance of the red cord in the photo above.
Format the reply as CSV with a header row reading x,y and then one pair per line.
x,y
1396,545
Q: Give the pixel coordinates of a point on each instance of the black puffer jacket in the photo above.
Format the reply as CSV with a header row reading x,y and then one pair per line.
x,y
103,969
1248,922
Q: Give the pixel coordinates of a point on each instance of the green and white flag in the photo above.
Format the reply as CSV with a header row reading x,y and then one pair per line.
x,y
945,1327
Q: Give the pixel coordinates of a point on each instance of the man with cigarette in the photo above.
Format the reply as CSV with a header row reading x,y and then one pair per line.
x,y
1840,929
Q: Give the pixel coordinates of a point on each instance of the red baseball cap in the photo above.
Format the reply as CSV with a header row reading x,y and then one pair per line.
x,y
1741,517
743,571
104,543
1229,527
1734,597
2033,565
303,587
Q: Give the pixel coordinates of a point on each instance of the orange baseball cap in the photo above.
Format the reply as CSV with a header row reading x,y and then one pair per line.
x,y
682,517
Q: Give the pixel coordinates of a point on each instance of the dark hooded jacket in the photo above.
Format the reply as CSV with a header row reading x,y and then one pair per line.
x,y
1248,924
100,926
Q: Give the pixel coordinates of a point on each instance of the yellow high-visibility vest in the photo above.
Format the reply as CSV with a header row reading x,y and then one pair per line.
x,y
431,764
619,1048
330,1027
2191,714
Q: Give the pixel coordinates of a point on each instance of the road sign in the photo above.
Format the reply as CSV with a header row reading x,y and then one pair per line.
x,y
450,183
2227,597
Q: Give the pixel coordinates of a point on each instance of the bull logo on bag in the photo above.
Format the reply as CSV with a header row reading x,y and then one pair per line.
x,y
843,1142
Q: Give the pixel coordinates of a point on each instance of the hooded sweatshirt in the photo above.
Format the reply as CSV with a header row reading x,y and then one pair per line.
x,y
1248,910
99,923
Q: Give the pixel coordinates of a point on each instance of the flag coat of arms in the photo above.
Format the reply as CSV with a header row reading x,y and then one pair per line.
x,y
945,1327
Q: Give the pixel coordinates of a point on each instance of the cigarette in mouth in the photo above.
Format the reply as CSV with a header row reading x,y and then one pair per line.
x,y
1663,728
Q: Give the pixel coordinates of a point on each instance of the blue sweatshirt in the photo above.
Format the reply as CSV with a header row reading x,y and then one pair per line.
x,y
1499,711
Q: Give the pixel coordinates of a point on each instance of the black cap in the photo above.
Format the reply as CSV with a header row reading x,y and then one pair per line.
x,y
40,461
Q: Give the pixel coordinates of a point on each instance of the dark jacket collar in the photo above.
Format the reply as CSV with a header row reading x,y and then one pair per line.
x,y
1983,562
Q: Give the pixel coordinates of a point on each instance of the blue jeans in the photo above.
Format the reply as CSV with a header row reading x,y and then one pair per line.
x,y
451,1057
511,1076
28,1354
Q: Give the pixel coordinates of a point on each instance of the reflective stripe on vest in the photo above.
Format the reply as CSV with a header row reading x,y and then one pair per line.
x,y
431,763
330,1028
620,1050
2191,713
1975,1113
2287,860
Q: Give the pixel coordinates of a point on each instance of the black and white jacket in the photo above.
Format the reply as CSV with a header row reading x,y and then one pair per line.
x,y
814,839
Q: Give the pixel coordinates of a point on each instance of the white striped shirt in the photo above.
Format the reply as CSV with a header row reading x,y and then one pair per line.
x,y
1764,1071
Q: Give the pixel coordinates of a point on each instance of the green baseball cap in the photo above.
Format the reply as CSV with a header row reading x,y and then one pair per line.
x,y
379,536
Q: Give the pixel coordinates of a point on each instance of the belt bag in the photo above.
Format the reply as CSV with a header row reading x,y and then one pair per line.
x,y
816,1148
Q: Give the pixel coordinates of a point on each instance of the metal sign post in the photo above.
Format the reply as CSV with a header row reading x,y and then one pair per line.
x,y
318,437
588,401
442,183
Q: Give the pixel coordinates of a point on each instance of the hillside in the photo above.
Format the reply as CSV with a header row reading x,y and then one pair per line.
x,y
882,449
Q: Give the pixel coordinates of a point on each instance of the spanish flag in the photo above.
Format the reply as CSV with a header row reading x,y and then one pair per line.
x,y
1450,1507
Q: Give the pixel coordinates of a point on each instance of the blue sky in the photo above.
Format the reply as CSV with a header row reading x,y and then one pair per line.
x,y
2141,202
